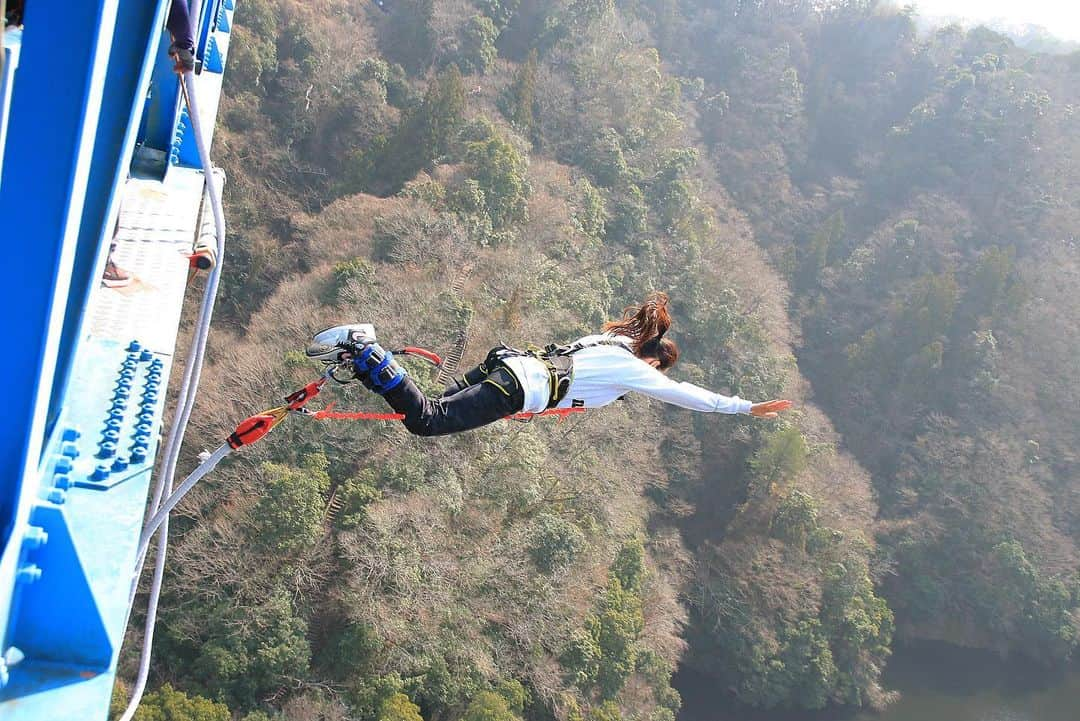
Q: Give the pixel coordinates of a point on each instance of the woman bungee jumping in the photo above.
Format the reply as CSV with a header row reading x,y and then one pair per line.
x,y
629,355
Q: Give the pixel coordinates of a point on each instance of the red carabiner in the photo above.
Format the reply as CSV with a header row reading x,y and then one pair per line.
x,y
299,399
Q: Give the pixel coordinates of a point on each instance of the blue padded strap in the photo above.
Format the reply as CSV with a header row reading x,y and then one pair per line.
x,y
393,382
366,353
387,359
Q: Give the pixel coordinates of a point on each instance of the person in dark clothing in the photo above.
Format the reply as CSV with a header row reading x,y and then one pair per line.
x,y
13,13
182,49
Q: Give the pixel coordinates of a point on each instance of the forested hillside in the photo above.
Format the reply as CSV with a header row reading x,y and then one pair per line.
x,y
875,226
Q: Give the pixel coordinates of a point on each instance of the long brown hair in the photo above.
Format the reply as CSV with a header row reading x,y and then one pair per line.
x,y
646,324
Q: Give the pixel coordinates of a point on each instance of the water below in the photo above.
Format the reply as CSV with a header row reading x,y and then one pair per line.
x,y
937,683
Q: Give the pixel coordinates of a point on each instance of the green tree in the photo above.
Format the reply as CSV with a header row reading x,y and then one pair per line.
x,y
409,37
820,249
796,519
616,627
519,101
629,216
554,543
591,215
629,565
606,711
489,706
169,704
499,170
245,652
604,158
516,696
427,132
398,707
476,44
253,46
289,513
781,457
995,288
500,11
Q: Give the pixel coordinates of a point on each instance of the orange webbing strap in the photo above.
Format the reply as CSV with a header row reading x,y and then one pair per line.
x,y
329,413
562,413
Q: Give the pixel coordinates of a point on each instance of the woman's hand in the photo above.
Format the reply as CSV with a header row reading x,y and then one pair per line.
x,y
769,409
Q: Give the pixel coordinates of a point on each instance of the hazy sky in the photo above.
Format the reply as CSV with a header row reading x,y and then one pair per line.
x,y
1061,17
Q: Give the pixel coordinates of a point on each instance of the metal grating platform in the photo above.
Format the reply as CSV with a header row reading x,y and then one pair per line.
x,y
155,236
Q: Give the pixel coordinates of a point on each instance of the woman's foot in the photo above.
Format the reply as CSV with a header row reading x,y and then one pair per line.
x,y
114,276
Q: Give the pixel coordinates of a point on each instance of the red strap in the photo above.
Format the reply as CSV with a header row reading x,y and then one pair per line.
x,y
562,413
358,416
423,353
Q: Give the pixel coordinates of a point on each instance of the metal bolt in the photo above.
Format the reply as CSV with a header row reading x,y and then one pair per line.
x,y
35,537
110,436
113,424
62,465
120,463
28,573
62,480
107,450
57,496
70,434
133,347
100,473
138,453
145,356
69,450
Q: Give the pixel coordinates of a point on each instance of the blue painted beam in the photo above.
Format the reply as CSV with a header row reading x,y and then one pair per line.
x,y
160,114
223,21
213,61
56,99
207,19
71,131
134,47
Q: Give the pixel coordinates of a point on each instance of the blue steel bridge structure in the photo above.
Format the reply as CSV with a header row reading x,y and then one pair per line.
x,y
96,147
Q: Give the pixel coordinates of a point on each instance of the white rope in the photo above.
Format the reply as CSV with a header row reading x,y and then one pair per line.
x,y
188,389
161,517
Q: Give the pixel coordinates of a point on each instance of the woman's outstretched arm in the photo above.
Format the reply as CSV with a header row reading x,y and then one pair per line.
x,y
638,376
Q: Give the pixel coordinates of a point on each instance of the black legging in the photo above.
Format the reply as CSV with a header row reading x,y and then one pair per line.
x,y
484,398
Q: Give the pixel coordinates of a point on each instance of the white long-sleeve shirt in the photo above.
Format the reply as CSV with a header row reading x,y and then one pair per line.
x,y
604,373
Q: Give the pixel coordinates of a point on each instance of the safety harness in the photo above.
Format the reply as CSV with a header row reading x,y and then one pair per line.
x,y
558,359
